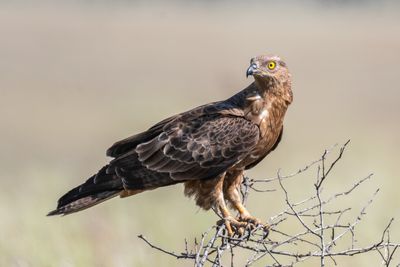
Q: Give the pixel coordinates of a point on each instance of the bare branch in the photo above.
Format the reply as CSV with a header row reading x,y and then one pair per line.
x,y
323,232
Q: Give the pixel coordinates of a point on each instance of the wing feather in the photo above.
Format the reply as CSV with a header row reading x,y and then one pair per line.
x,y
199,144
127,144
200,148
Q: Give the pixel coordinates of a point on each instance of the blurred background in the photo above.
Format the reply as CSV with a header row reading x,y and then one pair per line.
x,y
76,76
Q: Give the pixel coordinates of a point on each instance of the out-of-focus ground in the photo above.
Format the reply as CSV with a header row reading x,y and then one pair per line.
x,y
76,77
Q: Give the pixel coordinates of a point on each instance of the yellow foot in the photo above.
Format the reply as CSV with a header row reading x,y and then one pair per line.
x,y
233,226
250,220
253,223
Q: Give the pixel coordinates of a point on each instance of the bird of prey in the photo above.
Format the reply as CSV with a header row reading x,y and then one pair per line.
x,y
206,148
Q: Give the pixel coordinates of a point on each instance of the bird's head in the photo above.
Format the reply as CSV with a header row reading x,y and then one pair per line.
x,y
271,72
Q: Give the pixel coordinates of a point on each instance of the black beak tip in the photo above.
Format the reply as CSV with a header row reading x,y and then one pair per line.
x,y
251,70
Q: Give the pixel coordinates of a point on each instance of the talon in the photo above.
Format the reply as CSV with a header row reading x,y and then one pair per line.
x,y
229,228
253,223
266,228
251,220
233,226
240,231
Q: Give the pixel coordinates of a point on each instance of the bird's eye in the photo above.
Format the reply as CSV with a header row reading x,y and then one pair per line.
x,y
271,65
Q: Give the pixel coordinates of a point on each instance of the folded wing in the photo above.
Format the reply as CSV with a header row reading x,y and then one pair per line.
x,y
198,147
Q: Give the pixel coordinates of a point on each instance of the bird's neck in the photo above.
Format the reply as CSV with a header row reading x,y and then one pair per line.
x,y
257,94
280,90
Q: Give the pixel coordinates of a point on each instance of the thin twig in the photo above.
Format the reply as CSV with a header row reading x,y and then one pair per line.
x,y
311,214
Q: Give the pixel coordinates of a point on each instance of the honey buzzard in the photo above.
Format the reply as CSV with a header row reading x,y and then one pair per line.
x,y
206,148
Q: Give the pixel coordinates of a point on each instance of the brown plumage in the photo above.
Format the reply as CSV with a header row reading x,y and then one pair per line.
x,y
206,148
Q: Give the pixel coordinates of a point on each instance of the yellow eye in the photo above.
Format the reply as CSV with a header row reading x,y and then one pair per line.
x,y
271,65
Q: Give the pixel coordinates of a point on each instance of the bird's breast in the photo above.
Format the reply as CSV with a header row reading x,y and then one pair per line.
x,y
269,118
257,110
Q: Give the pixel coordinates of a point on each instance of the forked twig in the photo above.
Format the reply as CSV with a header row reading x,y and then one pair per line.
x,y
317,237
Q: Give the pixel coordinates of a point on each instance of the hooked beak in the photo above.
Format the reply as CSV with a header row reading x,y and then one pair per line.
x,y
251,70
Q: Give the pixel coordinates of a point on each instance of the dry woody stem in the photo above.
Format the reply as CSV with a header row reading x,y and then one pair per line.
x,y
325,234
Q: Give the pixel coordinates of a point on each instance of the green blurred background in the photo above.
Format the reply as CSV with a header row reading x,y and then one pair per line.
x,y
75,76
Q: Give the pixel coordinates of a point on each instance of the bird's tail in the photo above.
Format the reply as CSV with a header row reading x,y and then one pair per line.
x,y
96,189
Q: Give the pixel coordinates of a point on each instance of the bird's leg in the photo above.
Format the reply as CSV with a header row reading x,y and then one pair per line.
x,y
244,216
231,192
232,225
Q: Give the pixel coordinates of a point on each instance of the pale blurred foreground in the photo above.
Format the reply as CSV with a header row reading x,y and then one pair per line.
x,y
76,77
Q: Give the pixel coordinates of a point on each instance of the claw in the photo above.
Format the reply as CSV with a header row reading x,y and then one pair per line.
x,y
266,228
241,231
251,220
253,223
233,226
229,228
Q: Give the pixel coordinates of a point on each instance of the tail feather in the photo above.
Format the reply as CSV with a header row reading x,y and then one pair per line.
x,y
84,203
90,193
